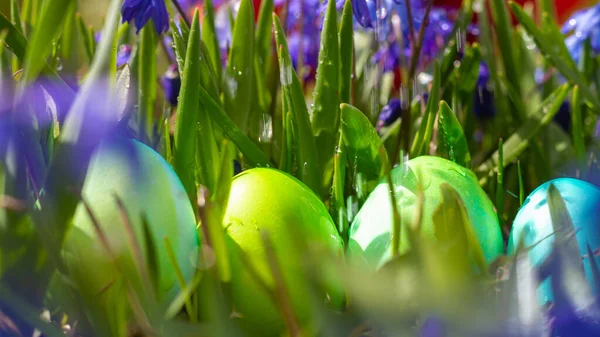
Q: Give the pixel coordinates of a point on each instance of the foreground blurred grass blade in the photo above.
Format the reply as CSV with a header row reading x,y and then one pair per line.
x,y
570,277
453,228
147,83
209,37
423,137
238,86
188,114
548,49
346,52
253,155
306,153
362,146
451,139
87,123
519,141
46,30
504,32
326,113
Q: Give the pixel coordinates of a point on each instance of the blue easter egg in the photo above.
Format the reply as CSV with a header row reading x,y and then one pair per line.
x,y
534,225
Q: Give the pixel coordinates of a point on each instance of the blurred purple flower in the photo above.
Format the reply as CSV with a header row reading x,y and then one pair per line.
x,y
390,113
123,54
483,99
171,83
141,11
583,25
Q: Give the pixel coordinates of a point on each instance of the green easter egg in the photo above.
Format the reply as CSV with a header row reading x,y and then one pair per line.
x,y
147,186
273,201
372,228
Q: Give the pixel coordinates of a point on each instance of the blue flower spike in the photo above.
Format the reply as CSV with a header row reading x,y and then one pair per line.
x,y
141,11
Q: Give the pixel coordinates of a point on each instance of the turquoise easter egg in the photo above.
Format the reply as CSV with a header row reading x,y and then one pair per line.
x,y
148,187
371,229
533,224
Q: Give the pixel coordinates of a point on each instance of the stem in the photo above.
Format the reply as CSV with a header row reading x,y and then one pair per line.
x,y
181,13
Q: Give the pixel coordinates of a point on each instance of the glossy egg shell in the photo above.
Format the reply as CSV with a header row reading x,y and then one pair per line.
x,y
147,185
371,229
276,202
533,223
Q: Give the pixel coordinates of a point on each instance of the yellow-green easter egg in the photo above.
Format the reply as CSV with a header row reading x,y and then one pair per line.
x,y
371,230
264,199
148,187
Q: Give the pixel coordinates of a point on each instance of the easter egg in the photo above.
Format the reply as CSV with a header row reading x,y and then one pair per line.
x,y
148,189
371,230
264,199
533,224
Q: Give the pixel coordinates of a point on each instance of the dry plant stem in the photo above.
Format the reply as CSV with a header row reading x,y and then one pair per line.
x,y
281,294
135,247
181,12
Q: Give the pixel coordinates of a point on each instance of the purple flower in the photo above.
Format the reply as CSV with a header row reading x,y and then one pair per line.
x,y
583,25
141,11
390,113
171,83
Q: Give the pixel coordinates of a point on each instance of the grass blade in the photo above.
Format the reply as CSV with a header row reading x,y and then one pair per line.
x,y
262,53
504,32
519,141
548,50
500,184
147,83
423,137
253,155
346,52
326,113
306,157
577,128
209,37
47,29
238,82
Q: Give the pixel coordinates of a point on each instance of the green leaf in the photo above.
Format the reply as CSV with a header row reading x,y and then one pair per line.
x,y
306,154
253,155
46,30
452,142
362,146
423,137
548,49
504,32
454,230
346,52
209,37
147,83
519,141
326,113
500,183
238,81
339,212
